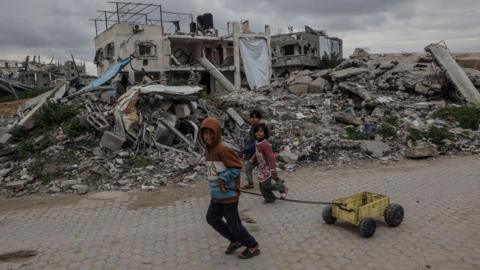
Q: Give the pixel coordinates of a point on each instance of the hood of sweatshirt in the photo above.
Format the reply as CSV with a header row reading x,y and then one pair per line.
x,y
213,124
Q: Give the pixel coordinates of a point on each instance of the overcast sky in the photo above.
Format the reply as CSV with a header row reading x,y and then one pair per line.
x,y
54,28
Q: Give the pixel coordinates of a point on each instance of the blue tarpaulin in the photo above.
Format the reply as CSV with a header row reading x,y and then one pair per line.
x,y
103,79
109,74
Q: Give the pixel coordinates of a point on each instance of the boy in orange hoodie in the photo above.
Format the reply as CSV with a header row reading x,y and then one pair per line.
x,y
223,172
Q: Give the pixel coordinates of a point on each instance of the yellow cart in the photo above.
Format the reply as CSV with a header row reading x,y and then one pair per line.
x,y
360,210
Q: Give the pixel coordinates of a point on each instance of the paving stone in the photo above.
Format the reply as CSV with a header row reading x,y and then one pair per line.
x,y
105,231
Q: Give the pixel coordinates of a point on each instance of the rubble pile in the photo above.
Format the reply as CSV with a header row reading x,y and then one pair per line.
x,y
380,107
376,106
146,139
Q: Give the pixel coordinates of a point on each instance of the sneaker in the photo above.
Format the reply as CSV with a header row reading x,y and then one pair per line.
x,y
247,253
232,247
283,195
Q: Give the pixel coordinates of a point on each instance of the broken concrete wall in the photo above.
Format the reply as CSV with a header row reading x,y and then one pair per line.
x,y
454,72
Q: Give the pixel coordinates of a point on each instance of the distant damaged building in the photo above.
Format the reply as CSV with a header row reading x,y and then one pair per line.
x,y
10,68
310,49
175,49
71,70
38,74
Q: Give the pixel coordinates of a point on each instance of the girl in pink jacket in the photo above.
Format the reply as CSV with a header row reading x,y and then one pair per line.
x,y
267,166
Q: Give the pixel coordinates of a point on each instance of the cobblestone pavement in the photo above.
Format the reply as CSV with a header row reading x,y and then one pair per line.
x,y
441,229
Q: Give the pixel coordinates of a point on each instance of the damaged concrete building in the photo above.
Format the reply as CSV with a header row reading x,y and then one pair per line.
x,y
72,70
161,51
38,74
10,68
309,49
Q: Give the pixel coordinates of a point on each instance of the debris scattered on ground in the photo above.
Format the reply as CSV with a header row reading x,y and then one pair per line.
x,y
370,107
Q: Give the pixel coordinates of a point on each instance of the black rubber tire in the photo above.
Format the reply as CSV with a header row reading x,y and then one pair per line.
x,y
327,215
367,227
393,215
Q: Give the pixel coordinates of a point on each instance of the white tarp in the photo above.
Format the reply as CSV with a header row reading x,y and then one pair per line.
x,y
256,61
325,47
328,47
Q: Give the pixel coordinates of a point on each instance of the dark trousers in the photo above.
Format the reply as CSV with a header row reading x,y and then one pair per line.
x,y
232,229
267,188
249,167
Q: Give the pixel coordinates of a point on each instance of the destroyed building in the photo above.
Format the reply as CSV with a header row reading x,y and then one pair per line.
x,y
310,49
73,70
369,107
38,74
162,51
10,68
380,107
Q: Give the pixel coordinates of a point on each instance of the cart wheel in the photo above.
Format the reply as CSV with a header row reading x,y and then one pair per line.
x,y
393,215
367,227
327,215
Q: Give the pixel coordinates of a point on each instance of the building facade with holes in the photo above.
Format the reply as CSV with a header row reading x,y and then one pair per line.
x,y
168,49
309,49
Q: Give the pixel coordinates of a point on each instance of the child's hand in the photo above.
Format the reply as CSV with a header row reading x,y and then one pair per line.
x,y
222,186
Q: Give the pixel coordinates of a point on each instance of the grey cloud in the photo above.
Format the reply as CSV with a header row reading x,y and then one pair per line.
x,y
318,8
58,28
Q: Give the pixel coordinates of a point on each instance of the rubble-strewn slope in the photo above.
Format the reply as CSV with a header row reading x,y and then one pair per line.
x,y
369,107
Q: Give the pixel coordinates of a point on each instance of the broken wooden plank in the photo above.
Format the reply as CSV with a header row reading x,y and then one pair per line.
x,y
454,72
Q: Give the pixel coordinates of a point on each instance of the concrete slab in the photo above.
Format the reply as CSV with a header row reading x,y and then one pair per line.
x,y
422,151
454,72
348,119
235,116
298,89
375,148
4,137
16,184
182,110
60,93
348,72
28,121
112,141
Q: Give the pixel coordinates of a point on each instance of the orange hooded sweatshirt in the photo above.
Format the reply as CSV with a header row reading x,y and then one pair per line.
x,y
222,165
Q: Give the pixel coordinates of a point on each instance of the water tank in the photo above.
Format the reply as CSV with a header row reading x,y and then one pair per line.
x,y
200,21
193,27
207,21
